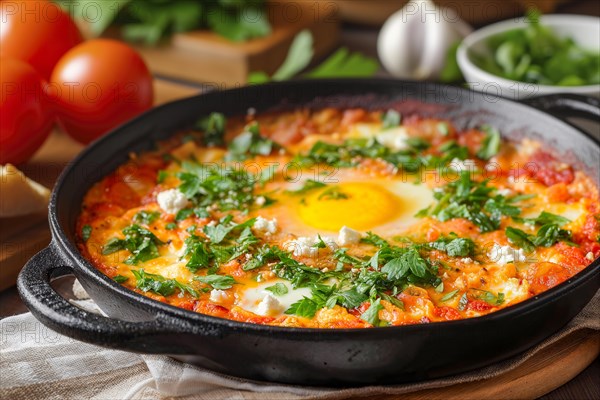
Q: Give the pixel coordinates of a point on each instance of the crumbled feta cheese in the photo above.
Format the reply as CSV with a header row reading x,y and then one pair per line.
x,y
505,192
269,306
219,296
302,246
267,226
590,256
503,255
260,201
462,165
330,242
394,138
492,166
467,260
348,236
212,223
172,201
306,246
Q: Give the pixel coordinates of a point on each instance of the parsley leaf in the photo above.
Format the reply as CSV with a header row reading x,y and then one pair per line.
x,y
146,217
455,246
333,193
120,279
250,143
278,289
468,199
213,127
491,143
491,298
198,254
220,282
229,188
139,241
395,268
306,308
372,313
183,214
548,234
449,295
86,231
390,119
349,153
147,282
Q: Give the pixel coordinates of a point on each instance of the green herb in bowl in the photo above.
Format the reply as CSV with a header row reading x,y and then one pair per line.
x,y
536,54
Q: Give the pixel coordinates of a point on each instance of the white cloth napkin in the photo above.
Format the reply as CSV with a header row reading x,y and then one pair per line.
x,y
36,362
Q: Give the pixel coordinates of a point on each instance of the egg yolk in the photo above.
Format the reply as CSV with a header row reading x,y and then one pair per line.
x,y
359,205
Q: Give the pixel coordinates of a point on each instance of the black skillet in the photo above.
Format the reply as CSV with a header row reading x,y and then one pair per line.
x,y
308,356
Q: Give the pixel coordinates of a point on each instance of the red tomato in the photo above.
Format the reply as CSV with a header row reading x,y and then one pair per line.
x,y
98,85
37,32
25,113
550,171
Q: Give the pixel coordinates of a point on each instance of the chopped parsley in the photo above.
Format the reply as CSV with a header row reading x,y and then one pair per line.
x,y
371,315
226,241
250,143
473,201
449,295
548,234
220,282
333,193
226,187
454,246
146,217
147,282
213,127
120,279
306,308
390,119
161,176
142,244
278,289
86,231
349,154
442,128
184,214
491,298
491,143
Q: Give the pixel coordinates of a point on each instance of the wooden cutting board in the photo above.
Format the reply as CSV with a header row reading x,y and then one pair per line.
x,y
205,57
22,237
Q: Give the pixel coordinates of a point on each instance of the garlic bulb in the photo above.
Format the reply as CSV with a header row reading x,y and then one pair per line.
x,y
414,41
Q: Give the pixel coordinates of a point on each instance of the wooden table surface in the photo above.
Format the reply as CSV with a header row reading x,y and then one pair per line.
x,y
584,386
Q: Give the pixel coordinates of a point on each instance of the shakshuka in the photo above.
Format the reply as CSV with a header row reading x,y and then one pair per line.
x,y
341,219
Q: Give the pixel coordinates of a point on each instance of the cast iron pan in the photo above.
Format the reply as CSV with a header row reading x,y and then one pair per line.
x,y
342,357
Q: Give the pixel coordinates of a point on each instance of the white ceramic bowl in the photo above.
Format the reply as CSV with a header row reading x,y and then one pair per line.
x,y
584,30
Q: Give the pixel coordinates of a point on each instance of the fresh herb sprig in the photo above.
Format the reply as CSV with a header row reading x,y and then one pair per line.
x,y
151,20
548,234
474,201
142,244
227,187
148,282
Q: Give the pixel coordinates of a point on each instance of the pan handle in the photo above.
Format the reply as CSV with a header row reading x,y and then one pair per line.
x,y
567,105
63,317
